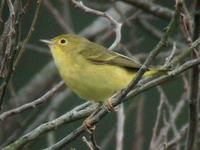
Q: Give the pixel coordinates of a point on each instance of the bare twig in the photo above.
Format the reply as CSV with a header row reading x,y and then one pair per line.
x,y
22,50
194,88
184,53
33,104
116,24
171,56
55,103
70,116
7,35
102,23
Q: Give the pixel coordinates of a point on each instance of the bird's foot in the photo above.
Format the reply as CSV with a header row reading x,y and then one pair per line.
x,y
109,105
90,128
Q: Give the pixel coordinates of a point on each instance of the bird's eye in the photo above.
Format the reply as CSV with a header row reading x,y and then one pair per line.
x,y
63,41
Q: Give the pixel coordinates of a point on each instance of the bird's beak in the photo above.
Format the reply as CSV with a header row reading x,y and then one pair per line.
x,y
48,42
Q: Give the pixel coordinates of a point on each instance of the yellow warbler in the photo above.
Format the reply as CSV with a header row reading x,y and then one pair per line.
x,y
92,71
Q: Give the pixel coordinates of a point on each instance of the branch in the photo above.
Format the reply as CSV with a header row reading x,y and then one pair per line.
x,y
29,125
7,37
22,50
75,114
194,88
116,24
33,104
101,23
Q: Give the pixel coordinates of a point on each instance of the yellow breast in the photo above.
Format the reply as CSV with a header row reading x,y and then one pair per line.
x,y
91,81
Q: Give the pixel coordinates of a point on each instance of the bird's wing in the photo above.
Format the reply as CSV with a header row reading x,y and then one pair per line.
x,y
101,55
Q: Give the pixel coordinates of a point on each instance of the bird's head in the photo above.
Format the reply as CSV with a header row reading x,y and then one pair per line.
x,y
66,43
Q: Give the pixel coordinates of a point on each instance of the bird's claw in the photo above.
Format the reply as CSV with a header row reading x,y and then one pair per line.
x,y
109,106
89,127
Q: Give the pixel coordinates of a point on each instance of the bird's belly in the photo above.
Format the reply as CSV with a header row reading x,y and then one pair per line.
x,y
96,82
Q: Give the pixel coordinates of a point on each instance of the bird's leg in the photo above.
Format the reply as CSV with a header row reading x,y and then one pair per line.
x,y
87,123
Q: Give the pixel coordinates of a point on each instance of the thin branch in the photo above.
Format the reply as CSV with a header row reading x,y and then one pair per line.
x,y
176,140
32,28
184,53
171,56
14,63
102,23
116,24
7,35
55,103
33,104
74,114
194,88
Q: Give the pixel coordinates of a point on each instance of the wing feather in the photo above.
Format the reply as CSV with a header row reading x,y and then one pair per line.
x,y
101,55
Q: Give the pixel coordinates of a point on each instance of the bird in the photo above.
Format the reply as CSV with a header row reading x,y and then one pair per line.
x,y
92,71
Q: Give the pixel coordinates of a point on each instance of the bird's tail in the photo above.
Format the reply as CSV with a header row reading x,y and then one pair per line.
x,y
156,72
